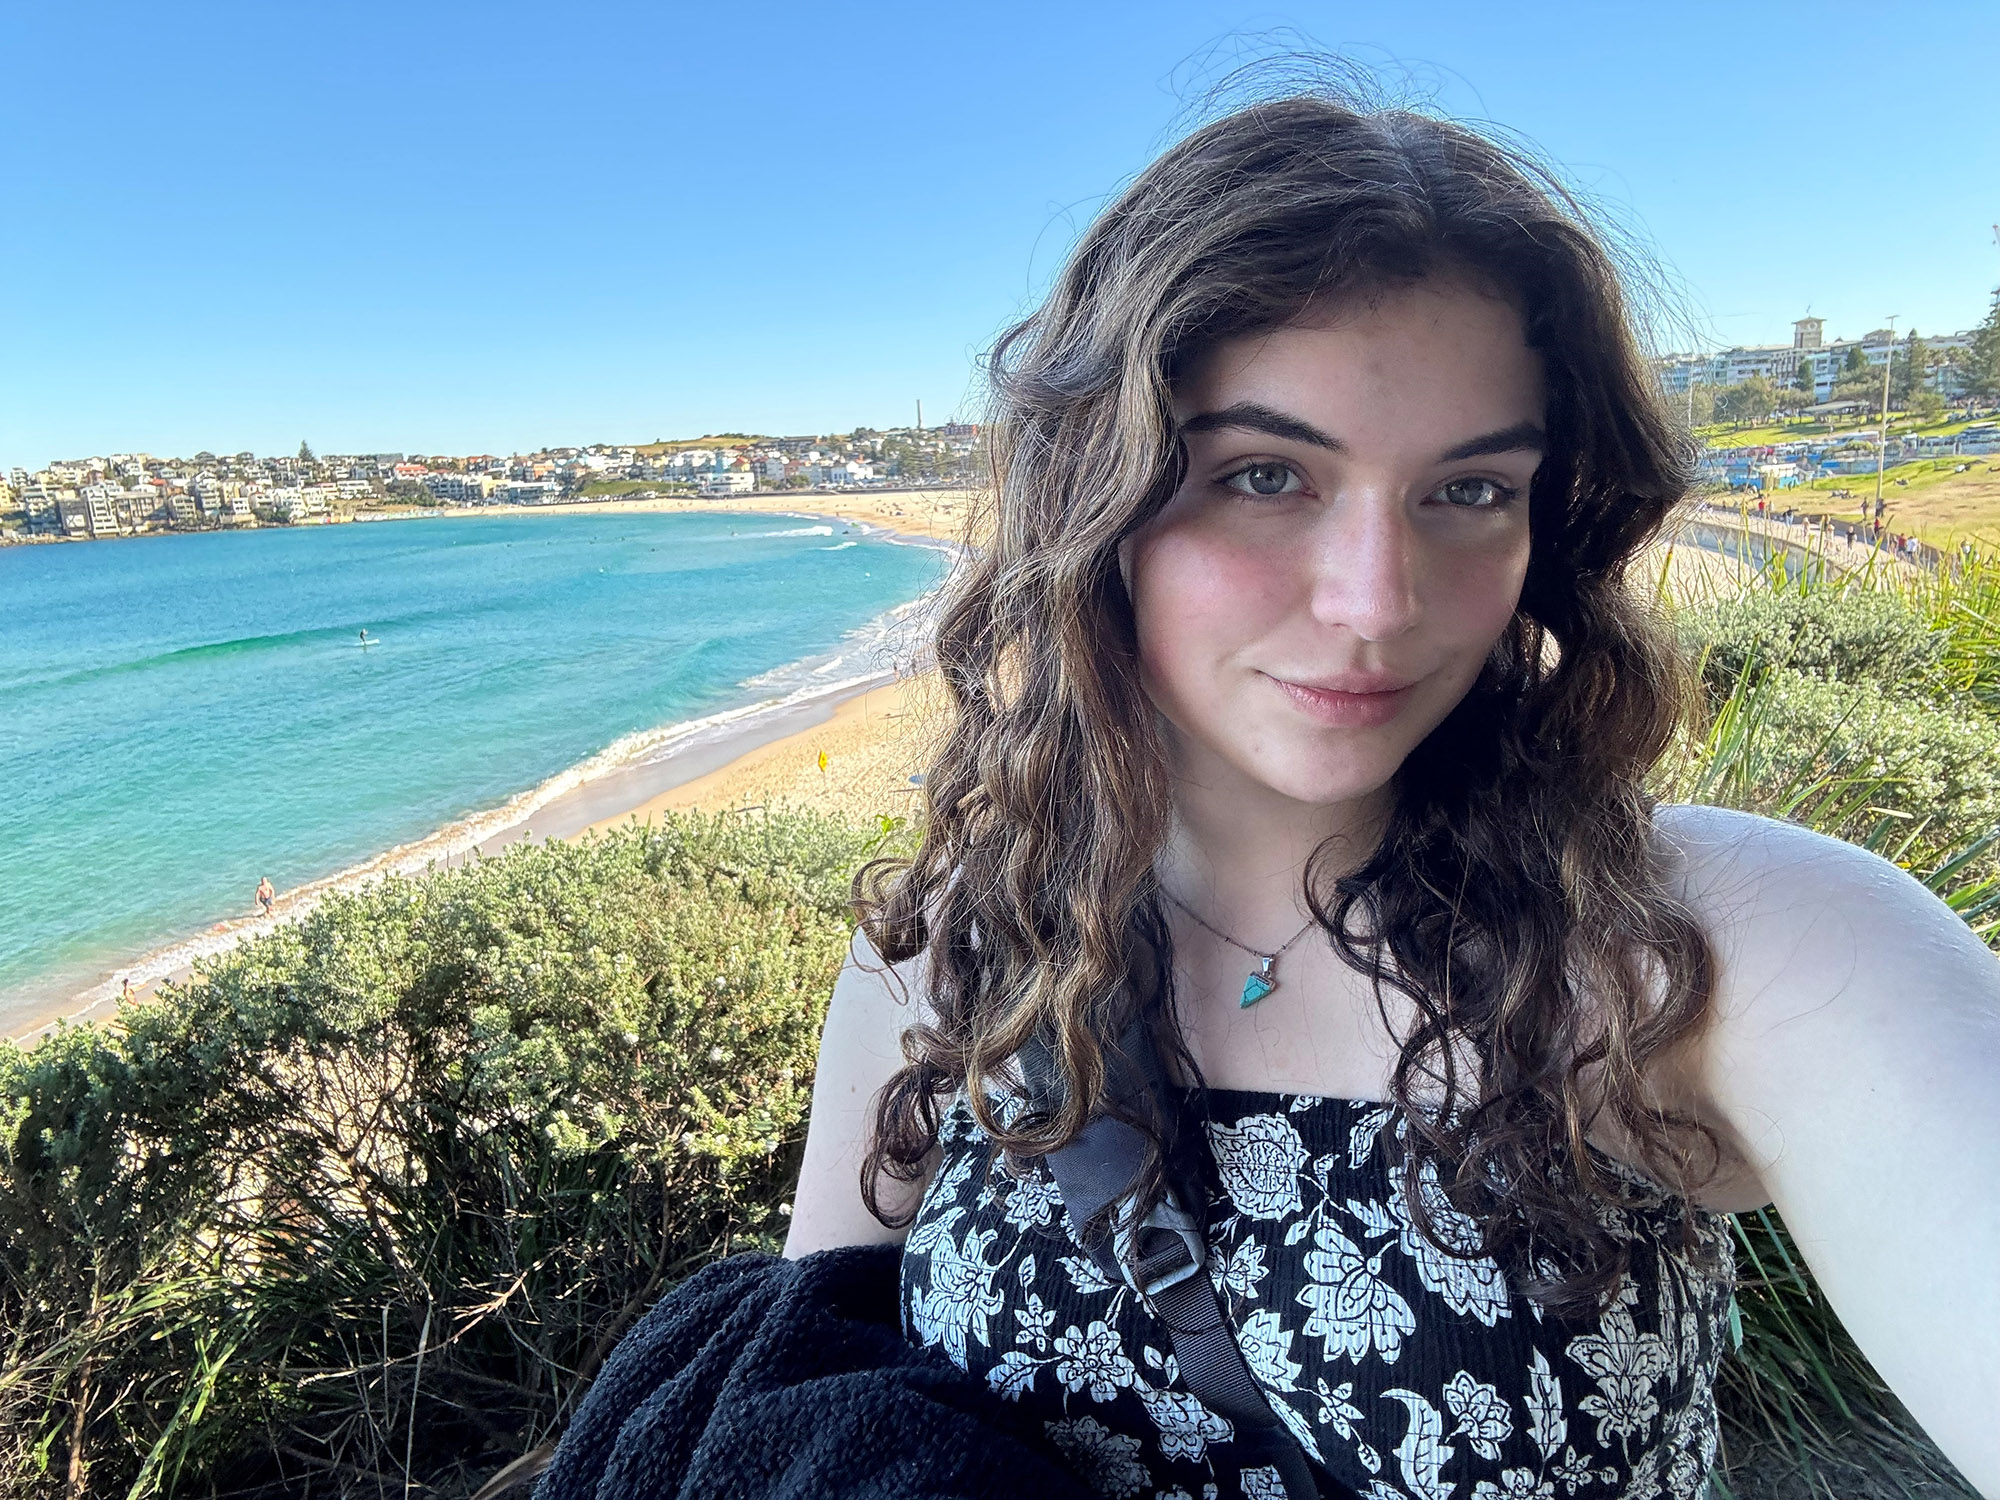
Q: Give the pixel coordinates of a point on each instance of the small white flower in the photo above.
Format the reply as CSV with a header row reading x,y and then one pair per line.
x,y
1259,1159
1515,1484
1032,1202
1482,1413
1244,1270
1095,1359
1036,1319
1186,1426
1625,1363
960,1297
1353,1309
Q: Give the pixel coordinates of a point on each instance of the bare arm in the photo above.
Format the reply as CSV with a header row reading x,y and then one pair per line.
x,y
859,1050
1856,1053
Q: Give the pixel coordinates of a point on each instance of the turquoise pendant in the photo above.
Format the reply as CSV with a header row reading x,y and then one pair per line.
x,y
1258,985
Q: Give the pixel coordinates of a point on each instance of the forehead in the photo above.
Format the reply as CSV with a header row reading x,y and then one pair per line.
x,y
1433,359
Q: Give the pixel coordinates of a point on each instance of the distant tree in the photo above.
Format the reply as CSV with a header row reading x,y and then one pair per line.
x,y
305,452
1981,366
1805,382
1912,367
1748,403
1925,404
1856,362
1865,387
1700,402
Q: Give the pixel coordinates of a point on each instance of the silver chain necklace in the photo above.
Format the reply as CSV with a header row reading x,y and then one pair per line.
x,y
1261,980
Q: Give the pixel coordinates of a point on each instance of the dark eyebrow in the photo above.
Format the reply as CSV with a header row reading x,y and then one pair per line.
x,y
1253,417
1522,435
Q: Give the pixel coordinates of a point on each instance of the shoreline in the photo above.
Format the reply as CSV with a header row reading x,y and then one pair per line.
x,y
937,514
684,763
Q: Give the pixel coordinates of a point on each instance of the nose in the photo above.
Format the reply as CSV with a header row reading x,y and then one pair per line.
x,y
1366,560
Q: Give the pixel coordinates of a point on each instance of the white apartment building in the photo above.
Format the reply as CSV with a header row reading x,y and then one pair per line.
x,y
466,489
847,471
1779,363
734,481
528,492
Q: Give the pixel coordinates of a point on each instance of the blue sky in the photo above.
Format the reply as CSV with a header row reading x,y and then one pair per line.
x,y
458,228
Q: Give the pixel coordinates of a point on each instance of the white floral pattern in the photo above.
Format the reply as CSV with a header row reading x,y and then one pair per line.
x,y
1259,1162
1411,1371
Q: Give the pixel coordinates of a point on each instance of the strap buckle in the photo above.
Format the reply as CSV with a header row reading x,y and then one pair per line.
x,y
1162,1250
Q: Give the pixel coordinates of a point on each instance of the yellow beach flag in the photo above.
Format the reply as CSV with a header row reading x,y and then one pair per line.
x,y
822,760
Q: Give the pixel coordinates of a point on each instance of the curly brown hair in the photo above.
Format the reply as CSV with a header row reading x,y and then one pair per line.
x,y
1518,873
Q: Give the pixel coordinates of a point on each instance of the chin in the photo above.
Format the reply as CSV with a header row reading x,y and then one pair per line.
x,y
1326,785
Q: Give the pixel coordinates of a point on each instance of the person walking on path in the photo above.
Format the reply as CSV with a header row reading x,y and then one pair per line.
x,y
265,894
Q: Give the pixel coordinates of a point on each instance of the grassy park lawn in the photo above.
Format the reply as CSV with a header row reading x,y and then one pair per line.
x,y
1725,435
1926,497
612,489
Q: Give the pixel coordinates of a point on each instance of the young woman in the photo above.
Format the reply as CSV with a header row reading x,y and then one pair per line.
x,y
1301,709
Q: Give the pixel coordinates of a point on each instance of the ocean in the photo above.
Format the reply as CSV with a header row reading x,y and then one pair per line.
x,y
181,716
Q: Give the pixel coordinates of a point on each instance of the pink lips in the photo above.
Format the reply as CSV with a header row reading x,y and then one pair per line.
x,y
1349,702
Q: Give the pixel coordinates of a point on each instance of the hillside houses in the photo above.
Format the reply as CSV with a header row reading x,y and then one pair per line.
x,y
123,494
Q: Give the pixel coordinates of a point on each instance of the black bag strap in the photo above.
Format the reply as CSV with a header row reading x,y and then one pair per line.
x,y
1162,1257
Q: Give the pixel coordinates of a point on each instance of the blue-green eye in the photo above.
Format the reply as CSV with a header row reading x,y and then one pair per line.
x,y
1264,479
1476,494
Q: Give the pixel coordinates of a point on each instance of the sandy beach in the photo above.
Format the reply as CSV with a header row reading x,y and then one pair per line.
x,y
942,515
873,735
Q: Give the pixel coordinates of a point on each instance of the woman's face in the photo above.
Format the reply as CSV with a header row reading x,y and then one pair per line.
x,y
1350,541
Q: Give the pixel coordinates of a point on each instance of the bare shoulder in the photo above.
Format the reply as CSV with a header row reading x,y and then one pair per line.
x,y
1838,978
1855,1054
1788,911
874,1002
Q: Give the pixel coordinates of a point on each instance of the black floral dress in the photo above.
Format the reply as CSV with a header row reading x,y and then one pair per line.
x,y
1407,1373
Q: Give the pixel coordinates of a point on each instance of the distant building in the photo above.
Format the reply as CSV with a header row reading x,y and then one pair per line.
x,y
737,480
1779,363
100,514
528,492
465,489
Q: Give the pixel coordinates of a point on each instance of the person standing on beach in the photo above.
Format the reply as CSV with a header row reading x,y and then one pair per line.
x,y
265,894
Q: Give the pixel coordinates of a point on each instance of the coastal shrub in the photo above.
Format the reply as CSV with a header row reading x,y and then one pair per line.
x,y
1848,634
1913,778
370,1200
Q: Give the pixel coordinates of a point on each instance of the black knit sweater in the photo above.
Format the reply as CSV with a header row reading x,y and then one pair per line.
x,y
760,1378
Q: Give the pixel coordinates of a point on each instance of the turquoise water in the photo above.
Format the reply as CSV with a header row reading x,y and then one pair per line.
x,y
182,715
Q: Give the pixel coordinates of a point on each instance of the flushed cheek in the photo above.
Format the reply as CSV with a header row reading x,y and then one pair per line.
x,y
1197,601
1470,599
